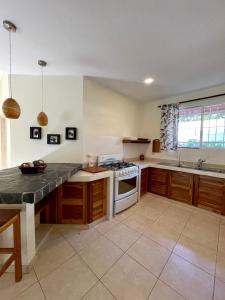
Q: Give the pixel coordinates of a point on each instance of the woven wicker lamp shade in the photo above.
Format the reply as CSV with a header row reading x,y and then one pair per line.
x,y
42,119
11,108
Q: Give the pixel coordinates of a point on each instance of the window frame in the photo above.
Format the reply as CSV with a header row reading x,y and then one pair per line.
x,y
201,129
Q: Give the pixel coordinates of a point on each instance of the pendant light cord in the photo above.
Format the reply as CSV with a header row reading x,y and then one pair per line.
x,y
42,89
10,65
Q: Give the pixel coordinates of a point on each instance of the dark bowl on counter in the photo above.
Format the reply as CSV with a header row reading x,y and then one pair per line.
x,y
32,169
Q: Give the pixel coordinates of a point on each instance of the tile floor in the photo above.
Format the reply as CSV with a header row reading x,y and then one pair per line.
x,y
158,250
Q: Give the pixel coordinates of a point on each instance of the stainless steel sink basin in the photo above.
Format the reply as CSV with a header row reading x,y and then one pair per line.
x,y
181,165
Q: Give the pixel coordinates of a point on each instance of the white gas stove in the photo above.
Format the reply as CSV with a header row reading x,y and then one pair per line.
x,y
125,180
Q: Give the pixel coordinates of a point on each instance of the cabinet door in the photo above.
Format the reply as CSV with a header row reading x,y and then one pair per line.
x,y
181,186
144,181
210,193
158,181
72,203
97,199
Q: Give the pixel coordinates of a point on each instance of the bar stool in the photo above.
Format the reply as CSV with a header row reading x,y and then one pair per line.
x,y
10,217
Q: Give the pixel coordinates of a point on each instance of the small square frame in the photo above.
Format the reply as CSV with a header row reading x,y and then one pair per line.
x,y
53,139
35,133
71,133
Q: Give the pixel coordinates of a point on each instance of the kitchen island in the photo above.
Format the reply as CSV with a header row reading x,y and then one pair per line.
x,y
23,192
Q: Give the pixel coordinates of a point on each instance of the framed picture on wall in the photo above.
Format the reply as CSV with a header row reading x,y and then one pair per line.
x,y
71,133
35,133
53,139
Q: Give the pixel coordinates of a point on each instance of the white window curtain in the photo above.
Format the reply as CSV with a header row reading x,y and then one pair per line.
x,y
169,126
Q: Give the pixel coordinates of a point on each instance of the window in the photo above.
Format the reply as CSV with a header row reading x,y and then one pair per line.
x,y
202,127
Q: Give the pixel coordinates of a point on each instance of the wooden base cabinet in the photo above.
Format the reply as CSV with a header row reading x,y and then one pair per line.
x,y
210,193
158,181
144,181
96,199
81,202
180,186
72,203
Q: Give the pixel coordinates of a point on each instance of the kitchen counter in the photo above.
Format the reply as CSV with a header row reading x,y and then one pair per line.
x,y
157,164
16,188
83,176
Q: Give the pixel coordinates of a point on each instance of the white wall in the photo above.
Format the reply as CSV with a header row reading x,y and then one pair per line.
x,y
108,117
151,126
5,133
64,107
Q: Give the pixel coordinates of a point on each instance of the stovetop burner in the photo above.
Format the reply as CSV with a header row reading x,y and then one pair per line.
x,y
115,166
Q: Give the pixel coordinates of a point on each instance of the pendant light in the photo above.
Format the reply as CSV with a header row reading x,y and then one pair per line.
x,y
10,107
42,118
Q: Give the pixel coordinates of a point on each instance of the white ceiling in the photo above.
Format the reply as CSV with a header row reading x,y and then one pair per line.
x,y
181,43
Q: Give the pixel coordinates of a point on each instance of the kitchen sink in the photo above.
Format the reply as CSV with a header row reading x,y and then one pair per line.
x,y
181,165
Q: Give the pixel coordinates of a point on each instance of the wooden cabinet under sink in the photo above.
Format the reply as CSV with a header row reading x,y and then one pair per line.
x,y
180,186
209,193
203,191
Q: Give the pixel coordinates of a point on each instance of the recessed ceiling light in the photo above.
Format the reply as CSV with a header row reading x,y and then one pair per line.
x,y
148,80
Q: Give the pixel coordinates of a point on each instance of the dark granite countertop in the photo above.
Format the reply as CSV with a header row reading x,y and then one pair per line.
x,y
16,188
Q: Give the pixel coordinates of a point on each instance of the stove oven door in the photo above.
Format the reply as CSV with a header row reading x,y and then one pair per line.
x,y
125,186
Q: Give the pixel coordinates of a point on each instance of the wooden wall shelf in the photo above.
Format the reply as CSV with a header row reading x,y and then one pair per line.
x,y
136,141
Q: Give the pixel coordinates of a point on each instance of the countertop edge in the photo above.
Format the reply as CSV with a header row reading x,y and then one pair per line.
x,y
143,165
83,176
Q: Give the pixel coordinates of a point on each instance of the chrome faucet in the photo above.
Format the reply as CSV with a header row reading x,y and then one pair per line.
x,y
200,163
179,158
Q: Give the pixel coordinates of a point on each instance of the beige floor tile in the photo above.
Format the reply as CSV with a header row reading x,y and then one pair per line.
x,y
129,280
41,232
149,212
123,215
175,218
70,281
221,245
188,280
222,220
122,236
195,253
52,254
161,291
82,238
98,292
105,226
155,203
219,293
101,255
182,205
205,219
138,223
34,293
220,266
208,237
163,235
9,289
150,254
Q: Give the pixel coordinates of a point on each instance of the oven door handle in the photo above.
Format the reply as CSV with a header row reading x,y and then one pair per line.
x,y
126,177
